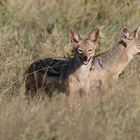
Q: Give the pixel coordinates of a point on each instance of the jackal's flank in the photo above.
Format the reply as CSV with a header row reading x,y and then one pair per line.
x,y
64,74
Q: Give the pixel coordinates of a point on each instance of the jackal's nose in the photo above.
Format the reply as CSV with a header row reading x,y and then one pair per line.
x,y
85,58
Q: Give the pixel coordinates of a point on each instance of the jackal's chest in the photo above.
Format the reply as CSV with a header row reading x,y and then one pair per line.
x,y
78,82
82,74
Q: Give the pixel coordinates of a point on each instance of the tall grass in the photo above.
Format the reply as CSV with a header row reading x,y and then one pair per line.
x,y
33,29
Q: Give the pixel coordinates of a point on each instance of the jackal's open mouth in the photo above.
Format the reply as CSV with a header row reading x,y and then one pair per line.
x,y
85,59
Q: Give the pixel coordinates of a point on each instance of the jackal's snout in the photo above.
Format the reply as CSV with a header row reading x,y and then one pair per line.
x,y
85,59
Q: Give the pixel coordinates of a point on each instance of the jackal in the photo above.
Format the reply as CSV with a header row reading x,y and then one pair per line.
x,y
64,74
107,66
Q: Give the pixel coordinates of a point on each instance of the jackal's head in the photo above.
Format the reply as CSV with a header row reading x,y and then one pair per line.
x,y
131,39
84,49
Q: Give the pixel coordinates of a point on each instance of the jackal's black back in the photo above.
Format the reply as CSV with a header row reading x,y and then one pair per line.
x,y
54,66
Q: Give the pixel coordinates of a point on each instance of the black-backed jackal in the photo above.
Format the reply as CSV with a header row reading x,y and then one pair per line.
x,y
64,74
107,66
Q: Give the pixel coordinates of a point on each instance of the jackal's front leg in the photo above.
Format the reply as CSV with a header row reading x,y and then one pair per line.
x,y
68,98
105,85
84,92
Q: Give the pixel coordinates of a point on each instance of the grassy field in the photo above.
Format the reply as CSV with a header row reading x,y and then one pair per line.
x,y
33,29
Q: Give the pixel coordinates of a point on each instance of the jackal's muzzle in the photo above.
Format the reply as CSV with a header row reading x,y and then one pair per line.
x,y
85,59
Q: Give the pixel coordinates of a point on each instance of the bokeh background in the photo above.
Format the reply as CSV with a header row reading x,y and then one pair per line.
x,y
33,29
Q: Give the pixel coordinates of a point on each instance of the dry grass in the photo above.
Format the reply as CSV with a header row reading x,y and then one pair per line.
x,y
33,29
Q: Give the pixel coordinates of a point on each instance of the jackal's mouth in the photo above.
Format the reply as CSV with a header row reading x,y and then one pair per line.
x,y
85,60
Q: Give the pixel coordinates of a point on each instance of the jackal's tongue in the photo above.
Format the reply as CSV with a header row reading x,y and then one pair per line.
x,y
85,62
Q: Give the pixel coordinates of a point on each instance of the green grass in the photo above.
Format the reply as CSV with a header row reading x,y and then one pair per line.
x,y
33,29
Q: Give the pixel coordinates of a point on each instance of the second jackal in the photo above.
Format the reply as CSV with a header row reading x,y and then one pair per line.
x,y
107,66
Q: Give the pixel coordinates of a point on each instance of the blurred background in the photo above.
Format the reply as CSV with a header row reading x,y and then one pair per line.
x,y
33,29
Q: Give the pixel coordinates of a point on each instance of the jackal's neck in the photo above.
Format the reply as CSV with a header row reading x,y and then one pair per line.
x,y
123,53
73,65
76,65
120,58
123,57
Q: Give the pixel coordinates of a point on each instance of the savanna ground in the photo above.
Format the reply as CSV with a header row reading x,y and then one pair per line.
x,y
32,29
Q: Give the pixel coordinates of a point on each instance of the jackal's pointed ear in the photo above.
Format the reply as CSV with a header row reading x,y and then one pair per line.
x,y
125,33
94,35
136,33
75,37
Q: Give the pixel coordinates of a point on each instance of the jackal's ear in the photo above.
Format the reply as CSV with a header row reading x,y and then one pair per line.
x,y
125,33
136,33
75,37
94,35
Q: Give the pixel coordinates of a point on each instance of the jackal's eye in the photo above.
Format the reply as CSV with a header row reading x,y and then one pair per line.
x,y
90,50
80,50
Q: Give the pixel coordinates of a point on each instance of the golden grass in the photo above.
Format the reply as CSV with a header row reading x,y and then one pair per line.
x,y
33,29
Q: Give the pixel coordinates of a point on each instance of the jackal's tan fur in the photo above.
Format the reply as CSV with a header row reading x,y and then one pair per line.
x,y
107,66
64,74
